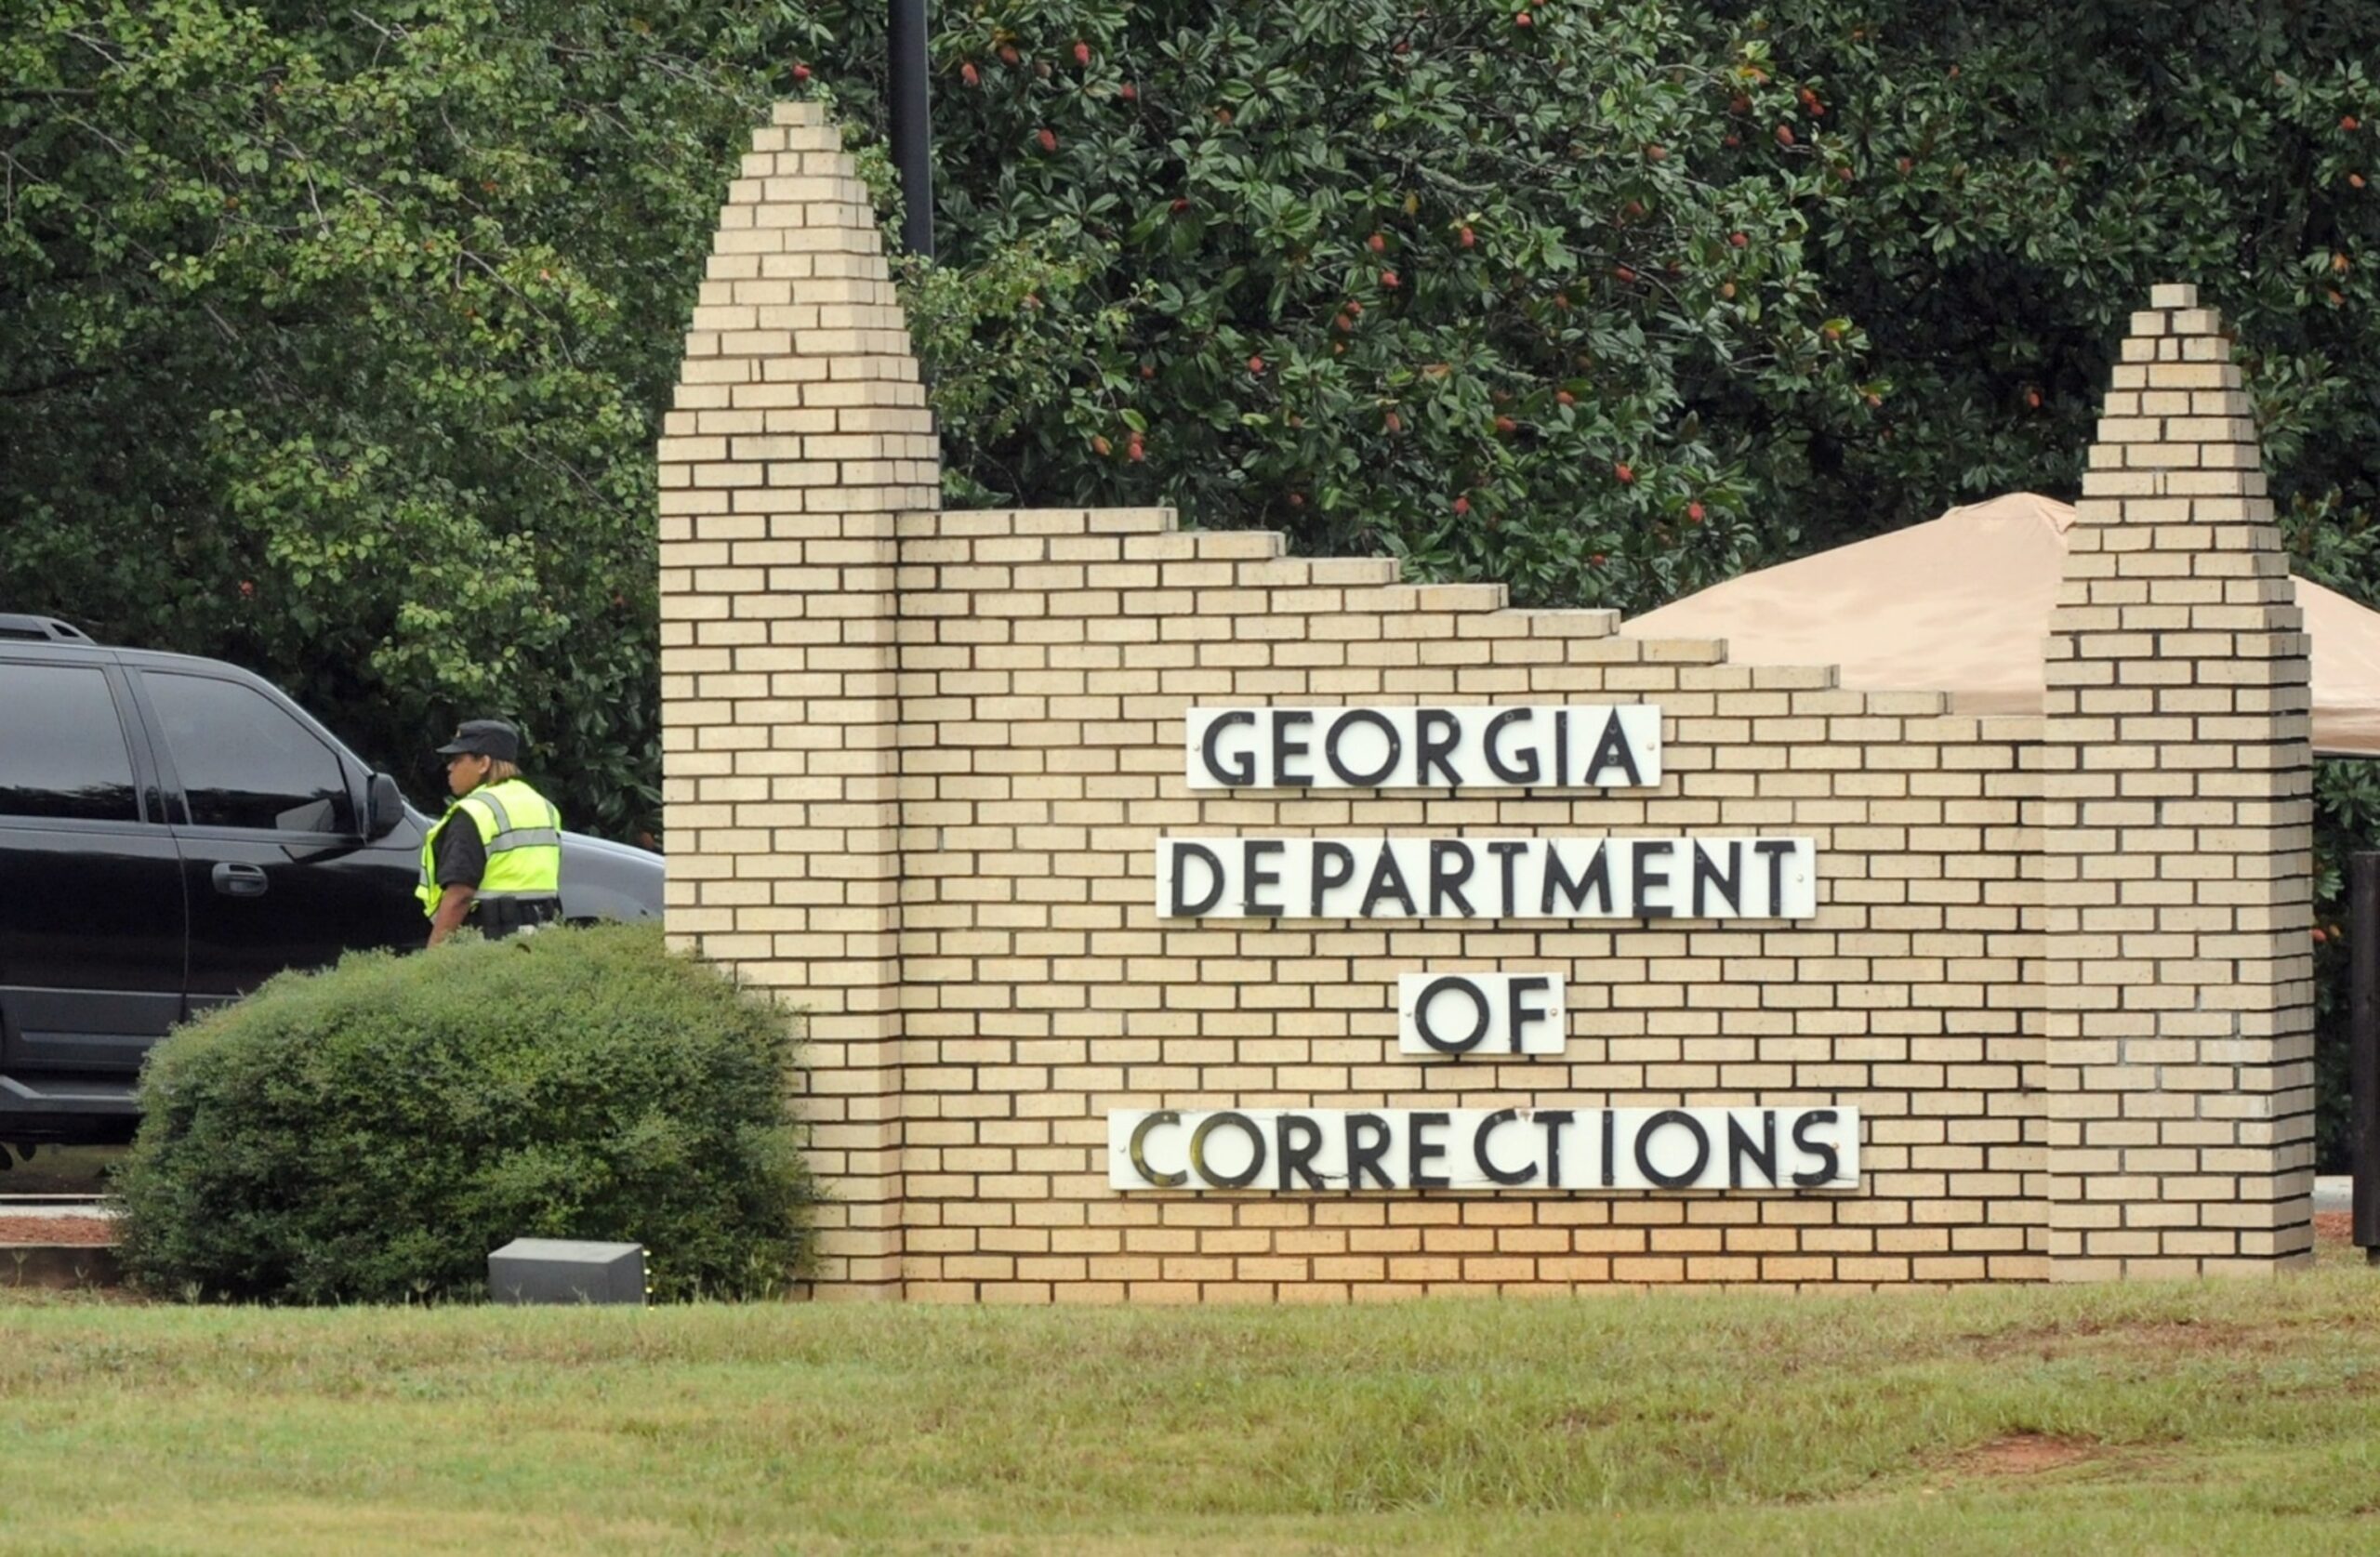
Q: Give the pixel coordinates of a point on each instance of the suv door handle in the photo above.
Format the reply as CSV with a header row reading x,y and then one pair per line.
x,y
236,880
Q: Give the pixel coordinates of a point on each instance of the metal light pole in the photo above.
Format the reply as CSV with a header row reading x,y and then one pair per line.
x,y
912,132
2363,1030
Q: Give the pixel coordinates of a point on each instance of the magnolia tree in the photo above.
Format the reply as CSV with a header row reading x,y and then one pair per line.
x,y
1509,294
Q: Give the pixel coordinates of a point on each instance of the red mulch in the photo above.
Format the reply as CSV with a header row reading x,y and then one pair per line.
x,y
57,1229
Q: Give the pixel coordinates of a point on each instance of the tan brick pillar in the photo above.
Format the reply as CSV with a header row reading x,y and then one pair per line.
x,y
2176,838
800,433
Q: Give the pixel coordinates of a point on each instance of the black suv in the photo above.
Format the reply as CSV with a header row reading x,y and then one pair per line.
x,y
173,832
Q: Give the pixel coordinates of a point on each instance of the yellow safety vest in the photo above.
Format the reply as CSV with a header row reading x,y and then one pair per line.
x,y
521,832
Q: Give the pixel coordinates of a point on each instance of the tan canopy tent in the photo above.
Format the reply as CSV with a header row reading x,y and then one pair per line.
x,y
1961,604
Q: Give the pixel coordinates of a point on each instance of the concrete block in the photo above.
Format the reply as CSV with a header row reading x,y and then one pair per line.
x,y
566,1270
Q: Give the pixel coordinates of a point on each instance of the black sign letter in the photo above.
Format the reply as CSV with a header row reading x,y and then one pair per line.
x,y
1140,1149
1247,1127
1436,734
1254,877
1471,992
1730,886
1419,1151
1242,772
1830,1163
1653,1127
1183,854
1613,748
1523,771
1445,879
1597,876
1387,880
1739,1147
1378,722
1284,748
1508,853
1518,1012
1776,851
1365,1152
1487,1164
1553,1119
1641,854
1296,1139
1326,855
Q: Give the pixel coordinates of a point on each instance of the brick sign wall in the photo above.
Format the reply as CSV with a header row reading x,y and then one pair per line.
x,y
922,767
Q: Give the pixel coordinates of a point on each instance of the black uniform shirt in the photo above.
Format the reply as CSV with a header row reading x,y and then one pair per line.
x,y
460,857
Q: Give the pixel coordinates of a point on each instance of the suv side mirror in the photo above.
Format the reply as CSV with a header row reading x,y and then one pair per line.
x,y
385,809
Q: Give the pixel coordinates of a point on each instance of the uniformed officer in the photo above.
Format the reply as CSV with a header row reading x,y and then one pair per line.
x,y
494,860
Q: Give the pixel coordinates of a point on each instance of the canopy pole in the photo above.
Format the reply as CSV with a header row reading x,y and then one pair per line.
x,y
2364,1040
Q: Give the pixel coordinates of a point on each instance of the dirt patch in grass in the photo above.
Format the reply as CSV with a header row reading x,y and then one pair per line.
x,y
2164,1336
82,1232
2024,1454
2335,1224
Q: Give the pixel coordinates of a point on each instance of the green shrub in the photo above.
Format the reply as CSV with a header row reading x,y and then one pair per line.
x,y
370,1133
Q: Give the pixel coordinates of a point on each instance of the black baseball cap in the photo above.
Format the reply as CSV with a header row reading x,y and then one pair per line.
x,y
484,738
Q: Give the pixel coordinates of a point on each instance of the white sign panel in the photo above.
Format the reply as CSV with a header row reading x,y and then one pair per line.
x,y
1534,747
1284,1149
1493,879
1480,1013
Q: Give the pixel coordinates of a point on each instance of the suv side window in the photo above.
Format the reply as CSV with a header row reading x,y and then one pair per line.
x,y
64,755
243,761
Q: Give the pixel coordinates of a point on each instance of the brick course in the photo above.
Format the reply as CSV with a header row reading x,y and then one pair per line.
x,y
917,763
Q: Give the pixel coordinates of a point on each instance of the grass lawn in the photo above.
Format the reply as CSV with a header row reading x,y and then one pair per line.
x,y
2230,1418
